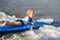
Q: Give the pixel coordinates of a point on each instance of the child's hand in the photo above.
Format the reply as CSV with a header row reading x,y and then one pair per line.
x,y
32,23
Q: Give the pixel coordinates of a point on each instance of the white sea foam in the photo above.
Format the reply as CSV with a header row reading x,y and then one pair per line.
x,y
48,32
7,17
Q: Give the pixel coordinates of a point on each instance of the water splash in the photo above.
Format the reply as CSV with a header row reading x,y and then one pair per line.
x,y
30,35
48,32
6,17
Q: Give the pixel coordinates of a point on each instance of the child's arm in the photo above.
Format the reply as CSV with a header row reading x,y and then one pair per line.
x,y
32,23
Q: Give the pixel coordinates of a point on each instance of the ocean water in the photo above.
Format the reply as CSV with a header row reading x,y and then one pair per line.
x,y
42,9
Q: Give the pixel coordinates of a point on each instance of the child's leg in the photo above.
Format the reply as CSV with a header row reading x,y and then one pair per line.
x,y
13,23
16,23
22,23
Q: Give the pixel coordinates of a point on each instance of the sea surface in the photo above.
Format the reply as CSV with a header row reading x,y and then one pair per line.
x,y
42,9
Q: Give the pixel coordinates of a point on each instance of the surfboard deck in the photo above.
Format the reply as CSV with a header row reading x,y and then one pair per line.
x,y
8,28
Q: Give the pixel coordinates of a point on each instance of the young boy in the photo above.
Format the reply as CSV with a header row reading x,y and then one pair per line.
x,y
28,18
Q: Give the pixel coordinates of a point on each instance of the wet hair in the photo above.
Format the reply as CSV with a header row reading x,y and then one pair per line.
x,y
29,10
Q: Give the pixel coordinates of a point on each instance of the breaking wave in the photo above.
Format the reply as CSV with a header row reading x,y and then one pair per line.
x,y
47,32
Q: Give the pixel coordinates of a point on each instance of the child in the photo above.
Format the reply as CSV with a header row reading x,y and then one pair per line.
x,y
23,21
28,18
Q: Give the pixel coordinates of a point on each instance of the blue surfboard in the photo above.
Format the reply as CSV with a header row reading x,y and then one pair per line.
x,y
21,28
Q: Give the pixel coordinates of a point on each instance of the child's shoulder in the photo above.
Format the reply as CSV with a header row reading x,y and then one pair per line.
x,y
26,18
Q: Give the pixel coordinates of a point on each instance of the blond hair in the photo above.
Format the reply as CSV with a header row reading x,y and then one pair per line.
x,y
30,12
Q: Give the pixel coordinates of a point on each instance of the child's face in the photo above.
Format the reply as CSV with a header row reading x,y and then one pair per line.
x,y
30,13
